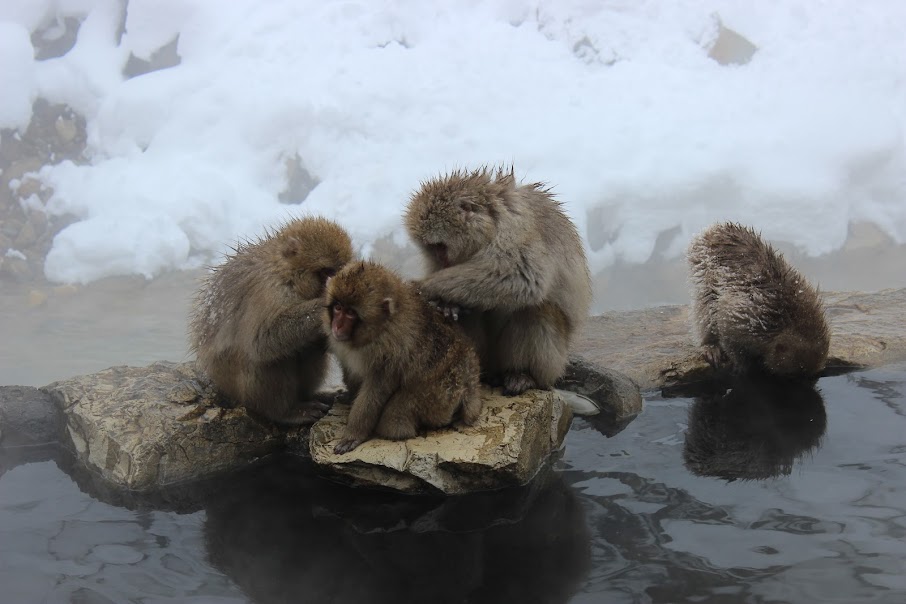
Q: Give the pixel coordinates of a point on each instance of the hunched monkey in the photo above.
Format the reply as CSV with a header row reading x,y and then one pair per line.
x,y
752,310
256,320
507,261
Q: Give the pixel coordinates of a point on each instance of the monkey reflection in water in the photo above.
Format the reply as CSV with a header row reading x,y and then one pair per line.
x,y
753,427
283,535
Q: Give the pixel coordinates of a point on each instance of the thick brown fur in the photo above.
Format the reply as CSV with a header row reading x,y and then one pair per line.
x,y
256,322
751,308
411,370
508,255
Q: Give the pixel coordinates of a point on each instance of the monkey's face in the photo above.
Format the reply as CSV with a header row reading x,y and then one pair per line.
x,y
343,320
450,227
359,303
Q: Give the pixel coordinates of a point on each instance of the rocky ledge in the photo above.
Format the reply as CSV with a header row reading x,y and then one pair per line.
x,y
510,442
142,428
146,428
654,346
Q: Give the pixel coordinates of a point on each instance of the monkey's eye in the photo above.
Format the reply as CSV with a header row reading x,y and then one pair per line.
x,y
337,307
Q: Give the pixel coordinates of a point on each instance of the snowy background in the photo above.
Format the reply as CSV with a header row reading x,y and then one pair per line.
x,y
616,103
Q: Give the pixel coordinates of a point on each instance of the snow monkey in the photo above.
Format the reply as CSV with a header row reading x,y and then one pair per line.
x,y
409,369
751,308
506,261
256,321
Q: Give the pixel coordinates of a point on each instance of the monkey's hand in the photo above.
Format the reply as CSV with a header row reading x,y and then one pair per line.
x,y
346,445
714,355
312,412
451,311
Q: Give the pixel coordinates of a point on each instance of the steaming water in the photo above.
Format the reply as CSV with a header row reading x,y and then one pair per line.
x,y
621,520
131,321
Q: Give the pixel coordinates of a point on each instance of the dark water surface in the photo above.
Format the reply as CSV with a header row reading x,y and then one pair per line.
x,y
631,518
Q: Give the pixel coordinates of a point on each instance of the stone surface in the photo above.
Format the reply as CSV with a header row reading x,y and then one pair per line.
x,y
147,427
608,391
655,347
731,47
512,440
28,417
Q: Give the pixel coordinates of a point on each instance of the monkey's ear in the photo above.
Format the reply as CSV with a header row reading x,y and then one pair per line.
x,y
292,247
388,306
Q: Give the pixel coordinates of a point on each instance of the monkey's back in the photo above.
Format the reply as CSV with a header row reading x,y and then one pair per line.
x,y
448,363
563,250
234,296
751,283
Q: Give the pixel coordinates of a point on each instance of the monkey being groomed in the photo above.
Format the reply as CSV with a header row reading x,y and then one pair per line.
x,y
505,260
256,321
752,310
408,369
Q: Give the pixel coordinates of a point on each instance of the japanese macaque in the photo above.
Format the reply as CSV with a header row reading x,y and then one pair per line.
x,y
752,310
256,322
409,369
505,260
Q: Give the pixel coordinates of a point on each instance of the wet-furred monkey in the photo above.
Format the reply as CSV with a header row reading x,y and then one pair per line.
x,y
752,310
508,262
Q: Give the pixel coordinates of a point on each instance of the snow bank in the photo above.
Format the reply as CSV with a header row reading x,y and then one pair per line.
x,y
617,104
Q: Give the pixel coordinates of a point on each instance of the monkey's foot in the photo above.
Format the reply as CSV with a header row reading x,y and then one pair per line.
x,y
307,414
713,354
494,380
346,445
516,383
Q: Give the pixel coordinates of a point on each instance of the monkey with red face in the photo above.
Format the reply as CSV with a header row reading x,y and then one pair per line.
x,y
409,370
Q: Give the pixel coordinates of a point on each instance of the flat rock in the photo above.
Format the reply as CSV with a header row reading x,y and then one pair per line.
x,y
143,428
513,438
655,346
